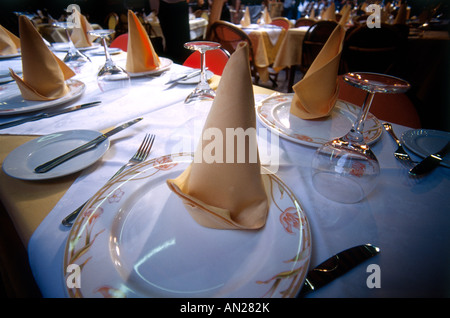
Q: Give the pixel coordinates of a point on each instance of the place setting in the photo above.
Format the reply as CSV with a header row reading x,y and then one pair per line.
x,y
120,210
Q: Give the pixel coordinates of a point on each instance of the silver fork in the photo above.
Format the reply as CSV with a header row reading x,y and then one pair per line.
x,y
140,156
400,153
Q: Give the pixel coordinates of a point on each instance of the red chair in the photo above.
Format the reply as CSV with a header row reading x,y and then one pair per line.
x,y
394,108
215,60
120,42
281,22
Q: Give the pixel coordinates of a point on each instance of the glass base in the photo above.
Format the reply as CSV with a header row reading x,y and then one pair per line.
x,y
200,94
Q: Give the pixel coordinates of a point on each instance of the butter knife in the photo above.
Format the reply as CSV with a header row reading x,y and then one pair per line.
x,y
47,115
336,266
184,77
93,143
430,162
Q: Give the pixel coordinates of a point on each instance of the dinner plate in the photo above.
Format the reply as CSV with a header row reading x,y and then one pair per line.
x,y
165,65
101,51
64,46
22,161
12,102
424,142
136,239
274,113
9,56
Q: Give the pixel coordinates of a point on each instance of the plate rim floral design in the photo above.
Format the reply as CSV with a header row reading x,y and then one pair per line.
x,y
292,222
264,111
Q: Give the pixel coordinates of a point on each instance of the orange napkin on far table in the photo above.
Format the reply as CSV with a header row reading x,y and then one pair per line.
x,y
316,94
227,195
265,19
141,55
44,74
245,21
401,15
9,43
79,35
330,13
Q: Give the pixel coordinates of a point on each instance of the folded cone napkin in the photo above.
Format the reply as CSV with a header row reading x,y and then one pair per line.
x,y
44,74
9,43
266,19
227,195
401,15
316,94
141,55
330,13
345,14
79,35
245,21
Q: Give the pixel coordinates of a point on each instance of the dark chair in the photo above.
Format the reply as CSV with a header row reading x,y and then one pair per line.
x,y
215,60
315,38
281,22
229,36
304,22
120,42
373,50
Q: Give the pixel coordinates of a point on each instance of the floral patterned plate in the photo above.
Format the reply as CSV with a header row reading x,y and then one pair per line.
x,y
135,239
274,113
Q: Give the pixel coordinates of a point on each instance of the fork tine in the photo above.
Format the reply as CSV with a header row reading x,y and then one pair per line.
x,y
148,146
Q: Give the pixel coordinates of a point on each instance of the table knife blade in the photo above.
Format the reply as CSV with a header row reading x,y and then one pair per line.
x,y
94,142
184,77
430,162
336,266
47,115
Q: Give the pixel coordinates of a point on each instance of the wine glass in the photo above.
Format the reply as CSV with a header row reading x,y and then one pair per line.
x,y
345,169
74,58
203,91
110,76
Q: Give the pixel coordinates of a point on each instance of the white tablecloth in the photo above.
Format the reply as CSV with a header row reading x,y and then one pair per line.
x,y
407,219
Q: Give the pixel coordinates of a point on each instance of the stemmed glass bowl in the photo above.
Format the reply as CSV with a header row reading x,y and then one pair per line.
x,y
74,58
345,169
203,91
110,76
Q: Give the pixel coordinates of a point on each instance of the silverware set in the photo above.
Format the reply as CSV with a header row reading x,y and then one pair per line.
x,y
416,169
140,156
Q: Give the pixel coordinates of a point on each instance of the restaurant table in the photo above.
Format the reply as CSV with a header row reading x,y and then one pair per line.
x,y
406,218
197,28
290,52
266,41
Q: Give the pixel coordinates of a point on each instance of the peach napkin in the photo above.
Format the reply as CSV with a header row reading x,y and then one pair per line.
x,y
330,13
79,35
9,43
265,19
316,94
227,195
44,74
401,15
141,55
245,21
345,14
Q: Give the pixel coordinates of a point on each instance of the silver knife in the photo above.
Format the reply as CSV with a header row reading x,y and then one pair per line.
x,y
184,77
336,266
93,143
47,115
430,162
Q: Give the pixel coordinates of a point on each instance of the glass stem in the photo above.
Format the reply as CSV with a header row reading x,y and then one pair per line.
x,y
72,48
203,67
356,133
105,46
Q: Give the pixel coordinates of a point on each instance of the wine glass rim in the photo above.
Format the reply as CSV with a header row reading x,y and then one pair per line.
x,y
361,80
